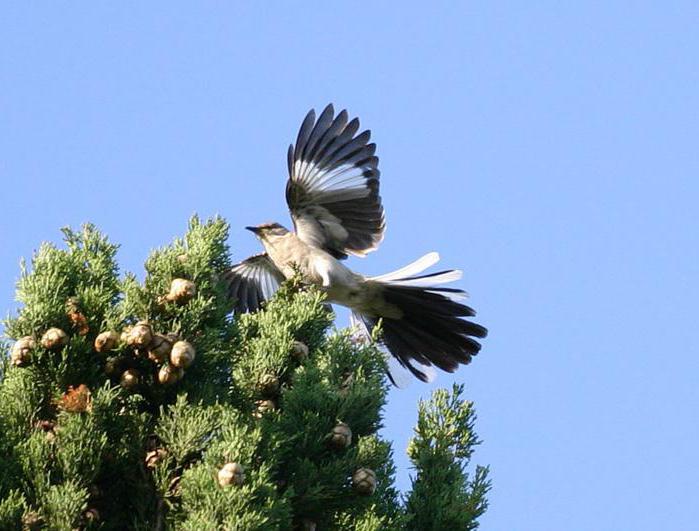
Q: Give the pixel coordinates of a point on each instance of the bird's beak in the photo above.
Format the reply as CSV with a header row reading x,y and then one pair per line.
x,y
253,229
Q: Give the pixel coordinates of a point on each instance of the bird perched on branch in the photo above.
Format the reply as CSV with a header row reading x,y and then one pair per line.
x,y
333,196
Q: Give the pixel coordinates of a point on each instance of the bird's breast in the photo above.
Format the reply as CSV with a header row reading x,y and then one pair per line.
x,y
292,256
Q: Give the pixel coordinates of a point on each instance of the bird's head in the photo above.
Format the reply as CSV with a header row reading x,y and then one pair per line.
x,y
268,231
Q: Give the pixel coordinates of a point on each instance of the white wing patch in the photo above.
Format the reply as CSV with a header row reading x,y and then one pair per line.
x,y
253,281
333,186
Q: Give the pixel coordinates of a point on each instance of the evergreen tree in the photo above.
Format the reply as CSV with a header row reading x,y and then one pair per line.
x,y
129,405
442,496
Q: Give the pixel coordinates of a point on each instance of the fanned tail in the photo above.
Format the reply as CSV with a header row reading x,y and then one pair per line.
x,y
431,329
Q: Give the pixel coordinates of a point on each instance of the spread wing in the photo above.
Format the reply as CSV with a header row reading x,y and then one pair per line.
x,y
252,281
333,186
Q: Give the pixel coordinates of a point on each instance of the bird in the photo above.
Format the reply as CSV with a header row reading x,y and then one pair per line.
x,y
332,192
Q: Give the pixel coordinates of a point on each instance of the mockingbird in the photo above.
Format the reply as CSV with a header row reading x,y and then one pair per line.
x,y
333,197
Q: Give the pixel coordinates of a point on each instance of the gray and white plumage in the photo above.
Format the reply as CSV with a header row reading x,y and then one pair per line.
x,y
333,197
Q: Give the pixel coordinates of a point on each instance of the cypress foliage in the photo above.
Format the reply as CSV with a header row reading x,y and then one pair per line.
x,y
442,496
144,405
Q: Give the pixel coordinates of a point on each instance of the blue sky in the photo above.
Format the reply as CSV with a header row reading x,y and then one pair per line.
x,y
549,149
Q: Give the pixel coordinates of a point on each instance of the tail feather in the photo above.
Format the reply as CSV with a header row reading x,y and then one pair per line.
x,y
396,370
431,329
444,338
418,266
427,302
441,277
438,351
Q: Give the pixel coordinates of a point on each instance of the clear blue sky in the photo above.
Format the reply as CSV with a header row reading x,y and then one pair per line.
x,y
547,148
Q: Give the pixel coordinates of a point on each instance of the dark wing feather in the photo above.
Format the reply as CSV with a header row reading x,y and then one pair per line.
x,y
333,186
252,281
